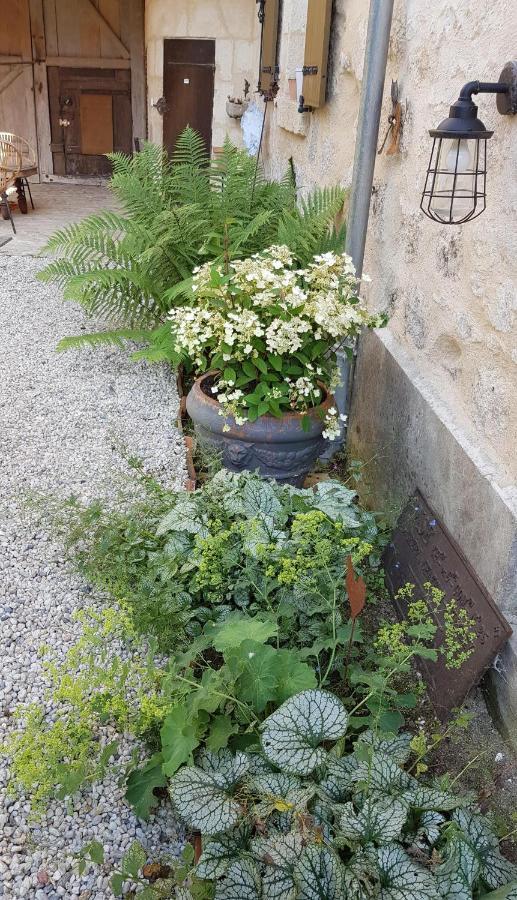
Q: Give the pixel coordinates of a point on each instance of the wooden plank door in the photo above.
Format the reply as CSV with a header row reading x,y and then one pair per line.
x,y
90,116
188,87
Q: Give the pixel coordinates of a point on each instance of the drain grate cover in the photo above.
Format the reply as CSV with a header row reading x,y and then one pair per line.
x,y
422,550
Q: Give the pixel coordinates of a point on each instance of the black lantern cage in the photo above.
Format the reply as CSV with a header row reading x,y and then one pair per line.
x,y
455,184
453,192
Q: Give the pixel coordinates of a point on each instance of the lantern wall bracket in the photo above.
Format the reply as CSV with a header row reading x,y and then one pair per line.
x,y
505,88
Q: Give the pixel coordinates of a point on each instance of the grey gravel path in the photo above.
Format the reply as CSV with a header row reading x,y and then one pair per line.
x,y
62,421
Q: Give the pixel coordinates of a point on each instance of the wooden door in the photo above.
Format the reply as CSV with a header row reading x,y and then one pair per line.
x,y
90,115
188,88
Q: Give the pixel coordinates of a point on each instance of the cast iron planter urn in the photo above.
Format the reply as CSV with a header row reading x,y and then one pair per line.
x,y
278,448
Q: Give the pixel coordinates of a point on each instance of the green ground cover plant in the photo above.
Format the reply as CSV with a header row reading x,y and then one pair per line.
x,y
225,602
313,815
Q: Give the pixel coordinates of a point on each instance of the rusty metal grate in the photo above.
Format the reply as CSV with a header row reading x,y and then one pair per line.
x,y
422,550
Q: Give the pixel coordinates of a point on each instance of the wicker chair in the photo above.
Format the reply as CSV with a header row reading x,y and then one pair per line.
x,y
10,168
29,166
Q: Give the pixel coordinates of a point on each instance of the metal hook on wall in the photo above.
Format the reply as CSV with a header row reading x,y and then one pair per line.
x,y
394,123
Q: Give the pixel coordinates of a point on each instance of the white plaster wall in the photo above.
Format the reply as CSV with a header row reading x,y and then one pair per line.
x,y
451,291
234,26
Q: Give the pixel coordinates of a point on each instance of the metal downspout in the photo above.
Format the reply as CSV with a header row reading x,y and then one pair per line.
x,y
372,88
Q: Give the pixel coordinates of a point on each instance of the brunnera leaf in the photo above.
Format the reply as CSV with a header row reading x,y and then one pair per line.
x,y
319,875
292,736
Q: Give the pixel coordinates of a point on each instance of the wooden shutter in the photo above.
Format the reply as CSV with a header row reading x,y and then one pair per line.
x,y
268,74
315,64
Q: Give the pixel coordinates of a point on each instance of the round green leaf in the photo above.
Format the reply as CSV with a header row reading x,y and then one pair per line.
x,y
292,736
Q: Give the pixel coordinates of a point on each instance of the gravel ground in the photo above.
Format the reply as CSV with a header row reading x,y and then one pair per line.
x,y
63,419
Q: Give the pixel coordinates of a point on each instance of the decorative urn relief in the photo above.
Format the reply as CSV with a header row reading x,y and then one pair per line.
x,y
278,448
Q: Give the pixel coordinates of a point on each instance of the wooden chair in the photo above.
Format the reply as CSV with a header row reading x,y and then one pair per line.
x,y
10,167
29,166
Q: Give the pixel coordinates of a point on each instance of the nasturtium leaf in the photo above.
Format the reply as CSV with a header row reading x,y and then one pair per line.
x,y
140,787
390,720
318,875
180,737
238,627
242,882
293,734
221,729
379,821
202,803
401,878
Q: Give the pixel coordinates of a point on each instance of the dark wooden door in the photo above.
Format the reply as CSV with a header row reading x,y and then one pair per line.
x,y
188,88
90,115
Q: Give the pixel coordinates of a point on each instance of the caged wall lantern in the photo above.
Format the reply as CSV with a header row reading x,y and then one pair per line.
x,y
455,185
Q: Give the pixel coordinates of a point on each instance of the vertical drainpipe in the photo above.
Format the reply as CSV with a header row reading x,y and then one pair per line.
x,y
372,88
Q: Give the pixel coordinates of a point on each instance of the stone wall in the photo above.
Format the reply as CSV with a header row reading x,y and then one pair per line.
x,y
450,291
234,26
435,401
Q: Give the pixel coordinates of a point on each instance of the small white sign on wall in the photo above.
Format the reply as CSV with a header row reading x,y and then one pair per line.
x,y
186,81
251,125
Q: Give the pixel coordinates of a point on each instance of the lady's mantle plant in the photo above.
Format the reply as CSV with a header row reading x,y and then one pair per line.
x,y
305,819
271,330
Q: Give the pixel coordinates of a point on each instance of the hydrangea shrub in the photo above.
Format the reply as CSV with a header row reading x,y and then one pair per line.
x,y
271,330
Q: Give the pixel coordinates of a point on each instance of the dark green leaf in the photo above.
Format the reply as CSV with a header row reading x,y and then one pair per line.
x,y
140,787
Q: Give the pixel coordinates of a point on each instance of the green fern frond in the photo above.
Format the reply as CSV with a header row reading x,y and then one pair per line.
x,y
131,267
117,338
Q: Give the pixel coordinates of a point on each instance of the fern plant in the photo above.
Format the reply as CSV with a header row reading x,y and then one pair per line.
x,y
305,820
123,267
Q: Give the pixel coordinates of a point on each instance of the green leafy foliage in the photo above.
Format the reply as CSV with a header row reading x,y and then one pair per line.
x,y
274,834
176,214
267,332
292,737
241,586
180,560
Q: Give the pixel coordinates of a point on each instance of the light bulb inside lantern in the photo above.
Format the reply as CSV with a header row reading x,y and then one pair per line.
x,y
456,182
